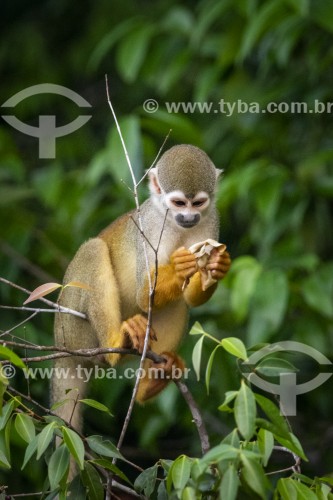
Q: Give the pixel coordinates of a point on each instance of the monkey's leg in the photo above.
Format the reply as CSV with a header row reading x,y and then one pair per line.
x,y
169,324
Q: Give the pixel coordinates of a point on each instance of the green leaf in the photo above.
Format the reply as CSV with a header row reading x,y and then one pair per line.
x,y
219,453
197,329
76,489
286,488
107,41
273,367
25,427
266,17
107,464
3,461
6,413
30,450
293,444
146,481
290,489
253,475
245,411
234,346
322,13
209,367
132,51
229,396
265,444
162,493
273,413
243,286
5,440
74,444
103,447
44,438
232,438
95,404
58,465
180,471
189,493
11,356
183,128
196,357
92,482
229,484
268,305
317,290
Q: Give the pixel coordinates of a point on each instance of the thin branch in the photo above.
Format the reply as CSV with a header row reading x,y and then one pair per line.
x,y
7,332
156,158
46,301
296,467
63,352
142,233
126,489
197,418
144,246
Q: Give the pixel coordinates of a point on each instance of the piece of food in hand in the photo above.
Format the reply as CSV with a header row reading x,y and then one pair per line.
x,y
202,251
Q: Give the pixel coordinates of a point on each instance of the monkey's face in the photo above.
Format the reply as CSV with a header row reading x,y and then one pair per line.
x,y
187,211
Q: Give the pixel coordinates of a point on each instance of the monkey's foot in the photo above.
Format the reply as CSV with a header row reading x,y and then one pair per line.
x,y
158,375
171,369
135,329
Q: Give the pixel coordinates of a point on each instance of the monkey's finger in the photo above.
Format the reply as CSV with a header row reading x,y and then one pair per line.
x,y
136,329
144,323
184,258
218,266
132,335
185,265
217,257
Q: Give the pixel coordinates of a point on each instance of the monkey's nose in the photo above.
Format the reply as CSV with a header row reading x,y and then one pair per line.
x,y
187,220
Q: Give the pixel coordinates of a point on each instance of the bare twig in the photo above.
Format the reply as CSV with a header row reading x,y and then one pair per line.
x,y
296,467
156,158
63,352
7,332
144,246
46,301
197,418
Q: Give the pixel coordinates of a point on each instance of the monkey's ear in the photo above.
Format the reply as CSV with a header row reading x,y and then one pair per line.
x,y
219,172
154,185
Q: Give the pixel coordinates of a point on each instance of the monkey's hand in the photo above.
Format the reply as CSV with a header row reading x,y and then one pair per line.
x,y
171,278
218,264
184,264
135,330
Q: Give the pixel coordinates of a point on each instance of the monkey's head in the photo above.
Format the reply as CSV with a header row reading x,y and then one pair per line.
x,y
184,182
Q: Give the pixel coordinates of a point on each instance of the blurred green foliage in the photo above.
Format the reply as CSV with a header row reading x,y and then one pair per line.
x,y
275,199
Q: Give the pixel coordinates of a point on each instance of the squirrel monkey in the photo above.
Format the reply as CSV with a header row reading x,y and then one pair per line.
x,y
180,212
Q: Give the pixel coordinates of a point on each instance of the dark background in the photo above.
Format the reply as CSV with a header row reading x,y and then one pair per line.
x,y
275,199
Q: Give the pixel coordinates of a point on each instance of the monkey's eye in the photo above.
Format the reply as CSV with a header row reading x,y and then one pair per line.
x,y
198,203
179,203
